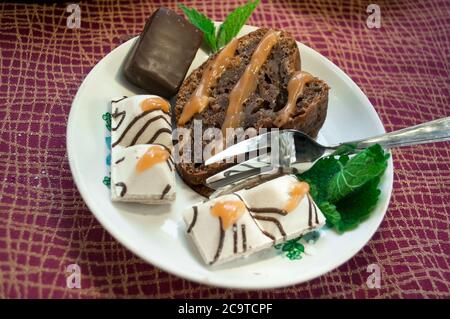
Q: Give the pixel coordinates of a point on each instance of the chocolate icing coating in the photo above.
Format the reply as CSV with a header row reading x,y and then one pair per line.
x,y
160,58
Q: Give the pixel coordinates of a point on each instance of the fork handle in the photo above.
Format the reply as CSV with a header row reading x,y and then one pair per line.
x,y
434,131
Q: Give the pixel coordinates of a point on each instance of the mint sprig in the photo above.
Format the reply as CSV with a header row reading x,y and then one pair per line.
x,y
229,28
203,23
234,22
346,189
362,168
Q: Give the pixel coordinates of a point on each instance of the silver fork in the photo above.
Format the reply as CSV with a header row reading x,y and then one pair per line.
x,y
293,151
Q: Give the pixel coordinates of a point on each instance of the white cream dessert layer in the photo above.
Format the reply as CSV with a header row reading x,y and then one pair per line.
x,y
142,168
223,230
140,119
272,212
138,177
283,208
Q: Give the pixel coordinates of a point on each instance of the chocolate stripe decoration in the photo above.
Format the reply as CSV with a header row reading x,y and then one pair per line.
x,y
309,212
194,218
120,160
273,220
315,210
130,125
235,239
124,188
268,234
168,164
244,238
220,246
268,210
158,133
165,191
142,130
116,114
253,218
116,101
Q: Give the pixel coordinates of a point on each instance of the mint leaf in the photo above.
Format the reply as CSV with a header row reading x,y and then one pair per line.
x,y
345,208
234,22
319,177
360,169
357,206
330,212
203,23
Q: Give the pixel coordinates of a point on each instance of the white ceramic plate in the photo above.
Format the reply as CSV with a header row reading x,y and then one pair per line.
x,y
157,233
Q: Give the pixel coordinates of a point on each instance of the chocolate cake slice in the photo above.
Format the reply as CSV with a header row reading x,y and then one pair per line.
x,y
254,82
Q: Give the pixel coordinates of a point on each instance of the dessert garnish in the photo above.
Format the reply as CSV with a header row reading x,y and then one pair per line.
x,y
155,103
248,81
228,211
295,89
162,54
142,169
227,30
255,217
346,189
217,244
251,100
200,98
154,155
297,192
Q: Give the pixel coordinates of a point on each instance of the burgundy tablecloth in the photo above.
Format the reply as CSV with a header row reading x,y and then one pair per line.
x,y
403,67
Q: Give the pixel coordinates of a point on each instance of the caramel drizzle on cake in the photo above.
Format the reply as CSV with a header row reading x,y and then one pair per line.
x,y
199,100
295,89
246,85
248,81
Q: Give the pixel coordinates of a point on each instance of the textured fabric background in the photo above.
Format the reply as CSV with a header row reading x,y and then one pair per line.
x,y
403,67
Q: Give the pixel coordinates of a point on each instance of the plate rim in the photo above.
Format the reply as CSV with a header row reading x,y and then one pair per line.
x,y
210,281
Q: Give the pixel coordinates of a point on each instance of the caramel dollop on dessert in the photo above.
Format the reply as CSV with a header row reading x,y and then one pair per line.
x,y
229,211
199,99
155,103
297,192
154,155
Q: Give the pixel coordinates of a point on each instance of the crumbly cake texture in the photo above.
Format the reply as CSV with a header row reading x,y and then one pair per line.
x,y
264,223
262,106
133,132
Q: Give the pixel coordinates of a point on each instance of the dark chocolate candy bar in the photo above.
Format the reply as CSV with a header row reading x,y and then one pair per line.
x,y
160,58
